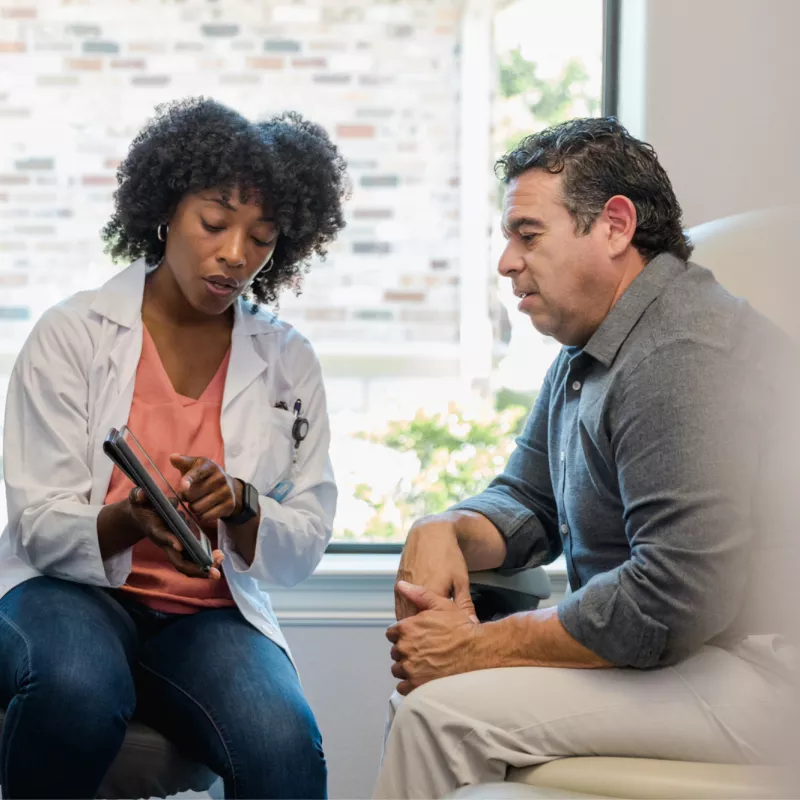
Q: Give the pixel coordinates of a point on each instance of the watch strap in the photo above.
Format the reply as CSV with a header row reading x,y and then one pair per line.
x,y
249,505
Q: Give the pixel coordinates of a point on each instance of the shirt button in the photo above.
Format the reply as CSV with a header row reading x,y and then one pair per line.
x,y
562,455
576,385
235,451
564,528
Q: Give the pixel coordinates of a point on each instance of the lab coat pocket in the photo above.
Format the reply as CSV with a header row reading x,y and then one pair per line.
x,y
275,463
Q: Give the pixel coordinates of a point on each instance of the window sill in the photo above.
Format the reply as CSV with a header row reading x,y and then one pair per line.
x,y
357,590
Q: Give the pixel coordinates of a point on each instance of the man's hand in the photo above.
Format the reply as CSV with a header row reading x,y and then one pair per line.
x,y
442,639
145,518
210,492
433,559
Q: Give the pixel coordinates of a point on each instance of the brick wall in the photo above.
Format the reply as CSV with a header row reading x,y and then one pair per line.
x,y
78,77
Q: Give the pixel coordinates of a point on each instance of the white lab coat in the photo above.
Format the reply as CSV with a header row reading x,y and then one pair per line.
x,y
74,380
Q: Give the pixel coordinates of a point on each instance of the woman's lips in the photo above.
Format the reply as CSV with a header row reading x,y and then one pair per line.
x,y
219,289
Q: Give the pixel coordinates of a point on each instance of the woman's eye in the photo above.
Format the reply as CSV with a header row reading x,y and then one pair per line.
x,y
211,228
261,243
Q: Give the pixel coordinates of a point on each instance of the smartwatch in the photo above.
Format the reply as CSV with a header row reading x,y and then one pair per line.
x,y
249,505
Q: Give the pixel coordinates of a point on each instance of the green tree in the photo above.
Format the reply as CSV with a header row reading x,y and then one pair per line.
x,y
549,101
458,456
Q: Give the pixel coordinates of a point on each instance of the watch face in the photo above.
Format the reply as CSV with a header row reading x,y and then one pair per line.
x,y
250,499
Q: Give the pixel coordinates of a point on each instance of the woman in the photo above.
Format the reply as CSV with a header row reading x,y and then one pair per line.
x,y
100,613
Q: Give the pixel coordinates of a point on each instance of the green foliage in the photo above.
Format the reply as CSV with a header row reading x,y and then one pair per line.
x,y
517,74
450,433
508,398
549,101
458,456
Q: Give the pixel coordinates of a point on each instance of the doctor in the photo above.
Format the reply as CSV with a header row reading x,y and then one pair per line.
x,y
100,614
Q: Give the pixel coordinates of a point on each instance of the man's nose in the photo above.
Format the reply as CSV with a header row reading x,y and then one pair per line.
x,y
510,262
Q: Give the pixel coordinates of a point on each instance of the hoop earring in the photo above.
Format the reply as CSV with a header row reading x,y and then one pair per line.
x,y
270,264
162,237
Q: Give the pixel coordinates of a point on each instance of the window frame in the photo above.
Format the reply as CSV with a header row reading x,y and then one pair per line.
x,y
609,105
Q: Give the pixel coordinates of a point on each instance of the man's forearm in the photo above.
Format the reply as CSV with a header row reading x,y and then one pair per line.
x,y
532,639
483,546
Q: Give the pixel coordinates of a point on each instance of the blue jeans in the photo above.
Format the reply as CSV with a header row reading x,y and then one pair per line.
x,y
76,661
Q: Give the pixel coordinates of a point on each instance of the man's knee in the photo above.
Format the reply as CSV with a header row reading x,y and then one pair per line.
x,y
425,707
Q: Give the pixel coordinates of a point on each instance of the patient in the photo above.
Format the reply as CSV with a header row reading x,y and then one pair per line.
x,y
100,614
651,461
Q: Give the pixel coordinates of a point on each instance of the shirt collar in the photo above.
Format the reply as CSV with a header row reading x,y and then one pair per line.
x,y
626,312
120,300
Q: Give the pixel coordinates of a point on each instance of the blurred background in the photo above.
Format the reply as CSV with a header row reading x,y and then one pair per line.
x,y
429,367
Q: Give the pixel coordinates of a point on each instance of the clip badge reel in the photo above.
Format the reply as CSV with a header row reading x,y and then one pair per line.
x,y
285,484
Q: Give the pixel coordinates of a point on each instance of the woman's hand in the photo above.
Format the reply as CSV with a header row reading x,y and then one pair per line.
x,y
210,492
213,494
147,520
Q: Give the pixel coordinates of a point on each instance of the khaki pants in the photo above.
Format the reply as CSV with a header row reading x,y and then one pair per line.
x,y
716,706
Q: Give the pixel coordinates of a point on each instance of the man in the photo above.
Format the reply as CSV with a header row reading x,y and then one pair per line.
x,y
643,462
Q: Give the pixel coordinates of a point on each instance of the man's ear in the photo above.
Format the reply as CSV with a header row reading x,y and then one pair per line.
x,y
620,214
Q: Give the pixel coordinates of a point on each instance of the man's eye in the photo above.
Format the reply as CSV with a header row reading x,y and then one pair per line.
x,y
528,238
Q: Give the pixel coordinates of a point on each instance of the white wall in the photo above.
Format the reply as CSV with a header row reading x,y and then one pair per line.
x,y
346,677
712,85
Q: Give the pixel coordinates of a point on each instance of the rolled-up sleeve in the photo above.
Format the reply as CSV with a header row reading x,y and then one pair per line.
x,y
685,451
520,502
51,524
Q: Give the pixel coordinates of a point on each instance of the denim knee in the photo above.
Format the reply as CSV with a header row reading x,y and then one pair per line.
x,y
81,698
280,756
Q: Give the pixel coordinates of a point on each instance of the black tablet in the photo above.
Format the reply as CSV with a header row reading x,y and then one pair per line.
x,y
125,451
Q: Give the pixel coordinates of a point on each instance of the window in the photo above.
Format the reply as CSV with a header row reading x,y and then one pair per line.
x,y
420,343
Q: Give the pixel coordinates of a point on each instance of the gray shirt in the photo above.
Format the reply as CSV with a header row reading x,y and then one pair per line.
x,y
643,461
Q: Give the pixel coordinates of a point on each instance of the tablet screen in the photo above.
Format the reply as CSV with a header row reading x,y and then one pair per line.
x,y
166,488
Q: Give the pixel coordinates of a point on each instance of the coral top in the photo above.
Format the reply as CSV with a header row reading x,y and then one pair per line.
x,y
166,422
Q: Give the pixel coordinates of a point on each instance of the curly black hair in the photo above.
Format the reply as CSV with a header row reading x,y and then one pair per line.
x,y
600,159
198,143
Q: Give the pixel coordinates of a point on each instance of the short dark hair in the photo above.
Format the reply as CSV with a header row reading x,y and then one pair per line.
x,y
198,143
600,159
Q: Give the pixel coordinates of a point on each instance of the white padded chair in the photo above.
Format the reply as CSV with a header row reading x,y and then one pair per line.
x,y
149,765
